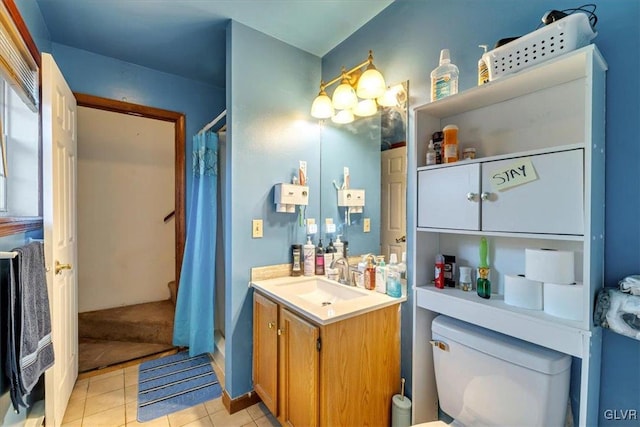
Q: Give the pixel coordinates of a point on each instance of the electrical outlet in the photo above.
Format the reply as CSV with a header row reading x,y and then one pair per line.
x,y
366,225
256,227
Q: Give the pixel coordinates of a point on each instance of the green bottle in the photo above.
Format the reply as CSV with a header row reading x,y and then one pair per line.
x,y
483,284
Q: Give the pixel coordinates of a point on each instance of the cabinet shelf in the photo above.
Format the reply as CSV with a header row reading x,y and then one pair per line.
x,y
562,69
547,150
540,236
566,336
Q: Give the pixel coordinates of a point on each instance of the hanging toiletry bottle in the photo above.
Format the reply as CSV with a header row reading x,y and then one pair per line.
x,y
296,256
319,259
381,275
444,78
483,68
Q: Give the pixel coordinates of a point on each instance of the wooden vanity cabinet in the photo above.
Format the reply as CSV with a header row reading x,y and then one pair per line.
x,y
340,374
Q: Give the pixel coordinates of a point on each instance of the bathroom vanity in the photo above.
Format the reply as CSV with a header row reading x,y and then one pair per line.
x,y
325,354
550,116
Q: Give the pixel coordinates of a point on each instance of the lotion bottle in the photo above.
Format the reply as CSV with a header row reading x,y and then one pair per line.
x,y
381,276
370,274
309,256
319,259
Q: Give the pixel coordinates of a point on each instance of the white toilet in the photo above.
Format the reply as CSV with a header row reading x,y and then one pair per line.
x,y
488,379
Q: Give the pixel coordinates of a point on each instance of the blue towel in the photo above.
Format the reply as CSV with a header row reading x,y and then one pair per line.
x,y
30,348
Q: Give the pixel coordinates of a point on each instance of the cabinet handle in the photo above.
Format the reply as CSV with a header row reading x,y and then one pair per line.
x,y
485,196
280,331
472,197
270,325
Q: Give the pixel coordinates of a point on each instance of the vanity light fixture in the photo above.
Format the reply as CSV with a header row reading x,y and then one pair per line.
x,y
356,94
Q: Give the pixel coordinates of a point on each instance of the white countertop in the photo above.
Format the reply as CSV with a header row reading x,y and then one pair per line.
x,y
322,300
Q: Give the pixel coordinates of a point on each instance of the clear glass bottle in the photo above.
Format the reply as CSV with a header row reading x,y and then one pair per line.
x,y
444,78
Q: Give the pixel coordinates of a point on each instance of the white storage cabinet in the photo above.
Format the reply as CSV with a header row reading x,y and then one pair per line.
x,y
549,117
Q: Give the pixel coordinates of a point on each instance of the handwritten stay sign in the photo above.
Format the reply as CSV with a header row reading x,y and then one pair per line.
x,y
517,173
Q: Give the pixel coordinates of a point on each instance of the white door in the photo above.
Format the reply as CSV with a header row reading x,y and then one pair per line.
x,y
449,197
393,212
59,164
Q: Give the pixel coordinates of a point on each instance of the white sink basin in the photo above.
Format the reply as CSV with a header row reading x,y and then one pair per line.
x,y
324,292
321,299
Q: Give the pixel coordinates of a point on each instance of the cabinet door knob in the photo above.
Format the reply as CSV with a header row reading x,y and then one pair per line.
x,y
270,325
280,331
485,196
472,196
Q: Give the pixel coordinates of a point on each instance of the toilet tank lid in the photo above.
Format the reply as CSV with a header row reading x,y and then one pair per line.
x,y
509,349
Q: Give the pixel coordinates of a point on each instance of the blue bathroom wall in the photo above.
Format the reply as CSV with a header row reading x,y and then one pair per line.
x,y
269,89
106,77
406,39
30,12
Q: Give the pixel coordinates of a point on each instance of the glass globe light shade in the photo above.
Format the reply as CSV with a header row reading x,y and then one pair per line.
x,y
343,117
344,97
366,108
389,99
322,107
371,84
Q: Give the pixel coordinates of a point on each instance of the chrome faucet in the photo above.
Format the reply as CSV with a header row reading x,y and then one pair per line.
x,y
342,264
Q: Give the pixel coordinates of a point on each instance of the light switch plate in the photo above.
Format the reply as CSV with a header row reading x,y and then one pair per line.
x,y
366,225
256,227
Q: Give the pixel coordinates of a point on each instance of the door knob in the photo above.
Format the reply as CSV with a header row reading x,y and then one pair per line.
x,y
485,196
60,267
472,197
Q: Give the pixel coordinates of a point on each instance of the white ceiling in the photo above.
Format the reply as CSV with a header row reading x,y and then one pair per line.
x,y
187,37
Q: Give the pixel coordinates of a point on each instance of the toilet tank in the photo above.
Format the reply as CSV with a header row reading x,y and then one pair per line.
x,y
489,379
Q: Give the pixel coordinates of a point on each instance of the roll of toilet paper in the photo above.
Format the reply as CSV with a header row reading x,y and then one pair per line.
x,y
549,265
400,411
563,301
522,292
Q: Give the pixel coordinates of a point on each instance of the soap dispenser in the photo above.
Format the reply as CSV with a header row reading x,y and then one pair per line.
x,y
483,68
339,246
381,276
370,274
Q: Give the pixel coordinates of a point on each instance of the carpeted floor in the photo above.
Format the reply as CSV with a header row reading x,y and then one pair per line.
x,y
117,335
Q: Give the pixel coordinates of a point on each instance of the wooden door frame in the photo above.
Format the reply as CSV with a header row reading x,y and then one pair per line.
x,y
178,119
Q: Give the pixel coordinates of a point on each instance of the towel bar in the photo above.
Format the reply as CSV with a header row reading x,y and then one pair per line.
x,y
8,255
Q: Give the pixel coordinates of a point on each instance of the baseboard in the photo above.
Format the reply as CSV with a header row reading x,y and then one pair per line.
x,y
239,403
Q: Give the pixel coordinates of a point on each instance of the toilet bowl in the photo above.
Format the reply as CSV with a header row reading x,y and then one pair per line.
x,y
485,378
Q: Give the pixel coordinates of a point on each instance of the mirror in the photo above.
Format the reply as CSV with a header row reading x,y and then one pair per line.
x,y
374,149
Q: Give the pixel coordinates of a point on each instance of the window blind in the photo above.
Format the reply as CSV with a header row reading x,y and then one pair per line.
x,y
16,63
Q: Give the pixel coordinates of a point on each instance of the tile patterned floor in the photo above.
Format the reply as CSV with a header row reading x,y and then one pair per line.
x,y
110,400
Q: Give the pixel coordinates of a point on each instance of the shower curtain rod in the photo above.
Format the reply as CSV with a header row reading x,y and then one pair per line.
x,y
213,122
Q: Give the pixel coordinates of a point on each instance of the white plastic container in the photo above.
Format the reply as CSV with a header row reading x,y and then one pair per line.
x,y
564,35
309,257
444,78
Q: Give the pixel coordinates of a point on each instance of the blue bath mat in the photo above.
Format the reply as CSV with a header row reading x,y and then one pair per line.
x,y
173,383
